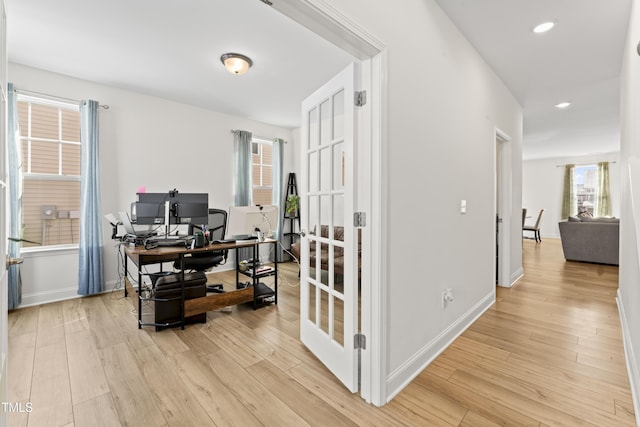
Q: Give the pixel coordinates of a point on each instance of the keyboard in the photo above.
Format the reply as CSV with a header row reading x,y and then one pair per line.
x,y
224,241
174,237
243,237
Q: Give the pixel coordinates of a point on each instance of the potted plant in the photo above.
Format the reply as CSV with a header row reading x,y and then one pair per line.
x,y
292,205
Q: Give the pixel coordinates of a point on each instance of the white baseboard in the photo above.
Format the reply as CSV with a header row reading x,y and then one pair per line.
x,y
632,365
56,295
517,275
406,373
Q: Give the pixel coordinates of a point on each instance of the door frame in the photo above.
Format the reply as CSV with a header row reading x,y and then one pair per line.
x,y
503,188
4,217
323,19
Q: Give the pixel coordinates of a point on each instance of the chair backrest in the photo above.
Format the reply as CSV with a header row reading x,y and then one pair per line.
x,y
217,224
539,218
524,215
200,261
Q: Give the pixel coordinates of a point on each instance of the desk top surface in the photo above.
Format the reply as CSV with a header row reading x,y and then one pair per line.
x,y
176,250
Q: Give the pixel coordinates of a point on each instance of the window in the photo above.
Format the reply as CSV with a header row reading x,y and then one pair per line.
x,y
586,182
51,150
262,171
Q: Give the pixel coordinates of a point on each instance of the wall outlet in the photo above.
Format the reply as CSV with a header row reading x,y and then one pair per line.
x,y
447,297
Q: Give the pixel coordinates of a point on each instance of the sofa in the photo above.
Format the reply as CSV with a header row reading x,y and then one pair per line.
x,y
591,239
338,264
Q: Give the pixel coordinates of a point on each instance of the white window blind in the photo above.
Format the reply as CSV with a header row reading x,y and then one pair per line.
x,y
51,150
262,171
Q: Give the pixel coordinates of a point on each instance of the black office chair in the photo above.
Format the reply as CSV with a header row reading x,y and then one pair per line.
x,y
203,261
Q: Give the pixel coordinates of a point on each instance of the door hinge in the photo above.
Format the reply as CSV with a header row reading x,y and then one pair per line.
x,y
360,98
359,342
359,219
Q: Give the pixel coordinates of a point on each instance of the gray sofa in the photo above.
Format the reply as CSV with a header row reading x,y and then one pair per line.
x,y
591,240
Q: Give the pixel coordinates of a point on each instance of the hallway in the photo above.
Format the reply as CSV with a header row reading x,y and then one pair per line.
x,y
549,352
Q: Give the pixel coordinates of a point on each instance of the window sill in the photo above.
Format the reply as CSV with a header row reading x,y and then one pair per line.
x,y
49,250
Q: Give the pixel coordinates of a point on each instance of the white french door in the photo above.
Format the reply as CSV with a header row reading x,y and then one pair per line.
x,y
329,289
4,294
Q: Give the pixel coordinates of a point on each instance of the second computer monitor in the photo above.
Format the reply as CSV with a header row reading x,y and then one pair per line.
x,y
246,220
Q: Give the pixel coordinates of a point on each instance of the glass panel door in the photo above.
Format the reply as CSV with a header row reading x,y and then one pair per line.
x,y
328,279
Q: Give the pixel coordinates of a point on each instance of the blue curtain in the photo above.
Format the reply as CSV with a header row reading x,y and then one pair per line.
x,y
91,271
278,187
242,186
15,197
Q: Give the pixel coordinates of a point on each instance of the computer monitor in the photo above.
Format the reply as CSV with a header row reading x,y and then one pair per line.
x,y
246,220
190,208
172,207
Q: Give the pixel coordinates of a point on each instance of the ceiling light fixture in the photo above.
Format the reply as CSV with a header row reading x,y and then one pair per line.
x,y
236,63
563,105
544,27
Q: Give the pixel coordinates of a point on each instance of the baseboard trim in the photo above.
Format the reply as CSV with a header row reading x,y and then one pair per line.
x,y
408,371
517,275
632,366
38,298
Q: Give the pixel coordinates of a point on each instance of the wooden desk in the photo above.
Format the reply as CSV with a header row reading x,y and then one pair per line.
x,y
141,257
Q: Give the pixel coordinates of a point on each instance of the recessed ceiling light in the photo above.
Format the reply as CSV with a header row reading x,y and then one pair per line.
x,y
563,105
544,27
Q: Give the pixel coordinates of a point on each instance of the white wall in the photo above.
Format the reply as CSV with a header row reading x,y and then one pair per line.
x,y
542,185
629,289
443,104
143,141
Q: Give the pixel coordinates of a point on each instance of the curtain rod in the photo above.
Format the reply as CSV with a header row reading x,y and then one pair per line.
x,y
259,137
582,164
54,97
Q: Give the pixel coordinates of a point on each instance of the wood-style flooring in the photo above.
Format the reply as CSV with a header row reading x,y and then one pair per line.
x,y
549,352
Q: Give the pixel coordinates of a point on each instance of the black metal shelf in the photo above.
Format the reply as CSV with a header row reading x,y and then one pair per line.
x,y
262,294
289,237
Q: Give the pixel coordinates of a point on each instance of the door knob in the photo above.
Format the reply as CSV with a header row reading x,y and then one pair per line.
x,y
303,233
13,261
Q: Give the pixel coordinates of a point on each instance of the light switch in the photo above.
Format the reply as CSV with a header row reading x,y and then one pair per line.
x,y
463,206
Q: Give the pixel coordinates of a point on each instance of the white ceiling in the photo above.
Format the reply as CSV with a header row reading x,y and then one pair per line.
x,y
171,49
579,60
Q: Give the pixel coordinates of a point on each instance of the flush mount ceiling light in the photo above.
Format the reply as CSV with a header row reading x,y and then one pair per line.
x,y
563,105
544,27
236,63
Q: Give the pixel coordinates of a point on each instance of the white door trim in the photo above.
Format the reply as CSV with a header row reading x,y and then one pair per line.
x,y
504,188
326,21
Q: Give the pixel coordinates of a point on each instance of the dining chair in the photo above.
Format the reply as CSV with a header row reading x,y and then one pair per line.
x,y
535,228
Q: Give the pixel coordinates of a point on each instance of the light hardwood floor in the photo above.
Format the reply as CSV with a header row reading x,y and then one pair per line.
x,y
549,352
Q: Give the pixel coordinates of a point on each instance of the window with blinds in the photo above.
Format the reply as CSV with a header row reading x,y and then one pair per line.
x,y
262,171
51,150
